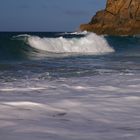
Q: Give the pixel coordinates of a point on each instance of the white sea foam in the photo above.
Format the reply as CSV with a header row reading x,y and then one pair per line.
x,y
20,89
100,107
22,35
75,33
90,44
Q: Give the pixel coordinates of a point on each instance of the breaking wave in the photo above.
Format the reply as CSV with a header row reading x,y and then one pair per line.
x,y
89,44
43,45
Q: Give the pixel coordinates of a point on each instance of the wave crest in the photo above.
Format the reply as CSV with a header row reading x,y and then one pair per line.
x,y
89,44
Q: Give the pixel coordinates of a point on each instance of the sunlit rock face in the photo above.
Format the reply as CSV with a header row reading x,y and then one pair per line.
x,y
120,17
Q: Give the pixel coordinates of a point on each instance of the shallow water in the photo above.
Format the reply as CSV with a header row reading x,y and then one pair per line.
x,y
69,94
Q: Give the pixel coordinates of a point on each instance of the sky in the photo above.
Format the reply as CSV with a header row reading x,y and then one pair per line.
x,y
46,15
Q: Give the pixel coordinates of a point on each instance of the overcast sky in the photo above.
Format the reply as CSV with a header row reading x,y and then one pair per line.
x,y
46,15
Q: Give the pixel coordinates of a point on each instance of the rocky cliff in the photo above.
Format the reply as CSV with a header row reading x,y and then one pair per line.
x,y
120,17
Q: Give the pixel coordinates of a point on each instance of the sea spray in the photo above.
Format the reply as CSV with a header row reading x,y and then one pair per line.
x,y
89,44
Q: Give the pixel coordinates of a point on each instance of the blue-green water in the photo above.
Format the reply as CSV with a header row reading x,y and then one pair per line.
x,y
68,86
17,56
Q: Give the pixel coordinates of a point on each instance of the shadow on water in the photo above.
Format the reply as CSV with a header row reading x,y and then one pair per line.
x,y
125,44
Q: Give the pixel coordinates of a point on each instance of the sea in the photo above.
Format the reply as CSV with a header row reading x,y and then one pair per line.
x,y
69,86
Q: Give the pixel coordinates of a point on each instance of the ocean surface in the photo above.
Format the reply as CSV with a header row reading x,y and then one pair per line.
x,y
69,86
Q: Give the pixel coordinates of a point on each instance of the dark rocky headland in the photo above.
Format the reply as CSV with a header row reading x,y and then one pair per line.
x,y
120,17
